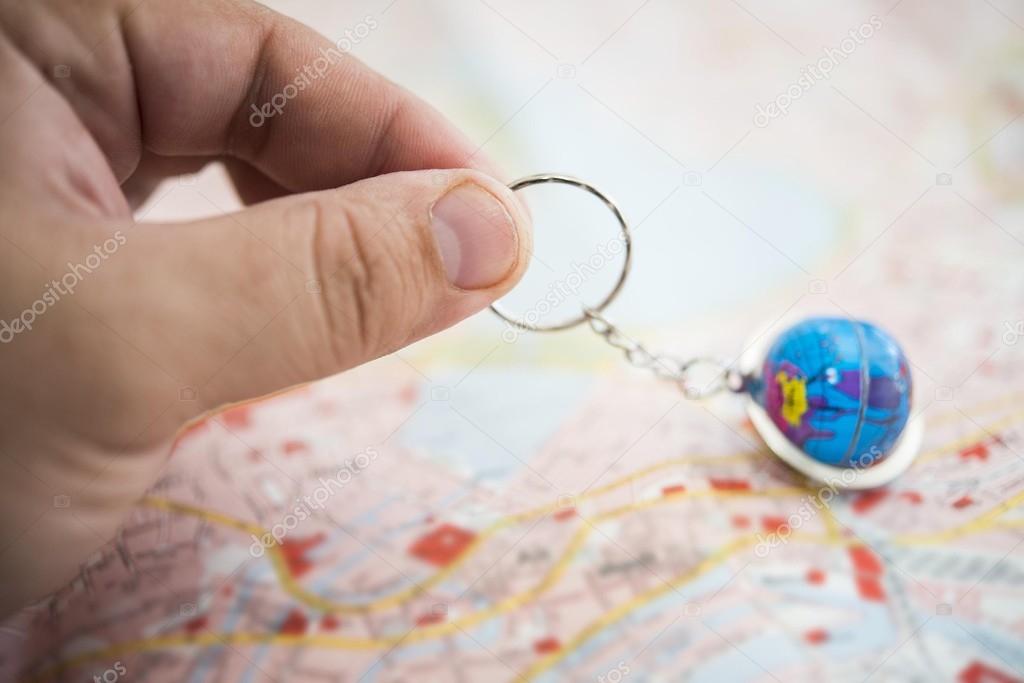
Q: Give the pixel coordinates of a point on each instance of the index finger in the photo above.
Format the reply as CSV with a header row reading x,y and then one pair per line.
x,y
216,77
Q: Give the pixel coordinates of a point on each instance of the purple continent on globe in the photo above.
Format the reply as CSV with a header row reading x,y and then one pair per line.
x,y
838,389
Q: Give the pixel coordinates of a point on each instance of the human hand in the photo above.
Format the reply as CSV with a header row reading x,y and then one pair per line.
x,y
104,321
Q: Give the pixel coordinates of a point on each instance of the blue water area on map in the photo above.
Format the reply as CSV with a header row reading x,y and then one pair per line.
x,y
969,635
488,423
673,602
766,652
771,650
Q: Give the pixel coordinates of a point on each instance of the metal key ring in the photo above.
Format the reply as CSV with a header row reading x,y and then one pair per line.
x,y
626,240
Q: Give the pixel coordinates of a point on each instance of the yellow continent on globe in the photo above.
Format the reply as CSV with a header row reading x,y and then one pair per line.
x,y
794,397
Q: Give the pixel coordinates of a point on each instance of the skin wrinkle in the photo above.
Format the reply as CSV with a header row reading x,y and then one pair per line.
x,y
122,36
89,93
83,90
77,189
317,248
123,152
91,392
360,280
381,156
254,95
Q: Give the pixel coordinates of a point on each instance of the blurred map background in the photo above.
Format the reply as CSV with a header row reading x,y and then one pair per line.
x,y
530,508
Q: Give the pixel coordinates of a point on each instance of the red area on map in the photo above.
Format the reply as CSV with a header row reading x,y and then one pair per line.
x,y
429,618
291,447
729,484
774,525
294,624
441,546
194,626
564,514
870,588
867,573
865,561
238,417
294,551
978,451
869,499
816,636
409,393
977,672
546,646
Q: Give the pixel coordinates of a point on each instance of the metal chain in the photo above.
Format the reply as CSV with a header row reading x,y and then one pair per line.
x,y
666,367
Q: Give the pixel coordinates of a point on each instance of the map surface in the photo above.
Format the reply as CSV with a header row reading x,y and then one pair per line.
x,y
495,507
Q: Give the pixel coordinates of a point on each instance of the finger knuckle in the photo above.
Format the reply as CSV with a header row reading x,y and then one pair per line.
x,y
371,294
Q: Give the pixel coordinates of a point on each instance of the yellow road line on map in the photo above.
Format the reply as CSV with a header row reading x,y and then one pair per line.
x,y
973,438
506,605
295,589
638,474
204,513
398,598
983,522
618,613
328,641
718,557
988,520
982,406
1009,524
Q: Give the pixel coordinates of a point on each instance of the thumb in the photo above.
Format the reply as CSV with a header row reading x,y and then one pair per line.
x,y
307,286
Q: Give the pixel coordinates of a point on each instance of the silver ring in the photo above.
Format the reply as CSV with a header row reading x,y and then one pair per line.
x,y
626,240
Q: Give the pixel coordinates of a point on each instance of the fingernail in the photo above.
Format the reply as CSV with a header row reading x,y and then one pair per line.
x,y
476,235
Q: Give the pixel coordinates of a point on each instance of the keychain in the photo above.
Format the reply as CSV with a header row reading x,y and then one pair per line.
x,y
830,396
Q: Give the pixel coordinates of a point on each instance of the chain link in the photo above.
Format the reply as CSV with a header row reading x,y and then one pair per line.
x,y
666,367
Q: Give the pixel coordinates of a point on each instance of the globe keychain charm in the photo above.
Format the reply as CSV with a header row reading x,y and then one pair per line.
x,y
829,396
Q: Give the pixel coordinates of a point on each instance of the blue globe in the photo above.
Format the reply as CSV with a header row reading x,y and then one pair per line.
x,y
838,389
